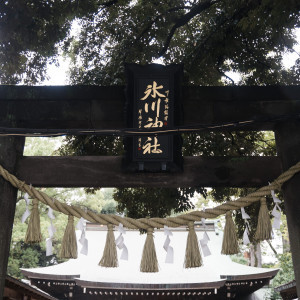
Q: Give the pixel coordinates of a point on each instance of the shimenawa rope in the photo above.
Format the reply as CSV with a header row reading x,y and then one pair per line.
x,y
145,223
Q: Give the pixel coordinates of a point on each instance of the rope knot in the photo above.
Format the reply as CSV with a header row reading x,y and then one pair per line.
x,y
263,201
70,218
150,231
110,227
190,225
228,214
35,203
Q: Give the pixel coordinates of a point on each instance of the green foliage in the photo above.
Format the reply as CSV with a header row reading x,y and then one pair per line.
x,y
110,205
202,201
209,37
152,202
91,145
42,146
247,143
285,275
26,256
238,258
30,31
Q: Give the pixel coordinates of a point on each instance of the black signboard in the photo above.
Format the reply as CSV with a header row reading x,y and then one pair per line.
x,y
153,104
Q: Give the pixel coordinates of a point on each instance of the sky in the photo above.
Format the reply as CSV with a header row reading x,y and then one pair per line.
x,y
290,58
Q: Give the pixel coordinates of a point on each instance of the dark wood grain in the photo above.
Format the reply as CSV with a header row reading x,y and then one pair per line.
x,y
11,148
106,171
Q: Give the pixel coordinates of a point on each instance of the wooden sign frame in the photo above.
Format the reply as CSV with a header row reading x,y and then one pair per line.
x,y
153,102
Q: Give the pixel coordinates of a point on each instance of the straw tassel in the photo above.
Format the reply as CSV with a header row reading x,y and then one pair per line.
x,y
192,252
230,242
149,262
264,227
33,234
69,243
109,258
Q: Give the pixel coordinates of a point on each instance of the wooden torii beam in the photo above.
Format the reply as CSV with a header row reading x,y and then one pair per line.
x,y
64,108
88,107
106,171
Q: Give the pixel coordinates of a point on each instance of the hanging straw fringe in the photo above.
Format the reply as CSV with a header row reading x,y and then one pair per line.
x,y
264,227
69,243
149,262
230,242
109,258
192,252
33,234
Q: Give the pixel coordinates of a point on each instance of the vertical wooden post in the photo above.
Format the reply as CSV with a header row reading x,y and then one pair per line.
x,y
11,148
288,147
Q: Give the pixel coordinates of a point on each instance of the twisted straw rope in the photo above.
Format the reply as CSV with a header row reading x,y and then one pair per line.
x,y
145,223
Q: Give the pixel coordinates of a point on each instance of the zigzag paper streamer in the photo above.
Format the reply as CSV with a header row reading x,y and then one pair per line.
x,y
169,249
51,231
49,248
246,217
276,212
275,199
246,240
120,243
50,213
83,240
204,241
27,211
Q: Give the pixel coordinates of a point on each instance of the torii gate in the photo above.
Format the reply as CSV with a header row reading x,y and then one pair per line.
x,y
62,109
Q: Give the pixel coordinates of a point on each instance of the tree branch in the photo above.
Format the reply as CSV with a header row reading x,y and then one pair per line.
x,y
173,9
150,24
220,61
184,20
289,47
250,51
226,76
271,246
236,17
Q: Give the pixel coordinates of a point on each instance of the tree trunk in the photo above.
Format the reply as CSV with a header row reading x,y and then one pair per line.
x,y
288,146
285,245
258,256
255,255
252,256
11,149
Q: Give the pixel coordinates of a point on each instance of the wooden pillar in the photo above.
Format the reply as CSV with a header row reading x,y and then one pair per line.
x,y
11,148
288,147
